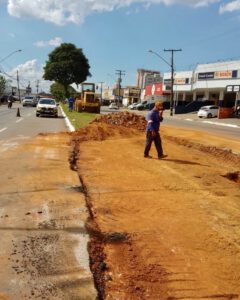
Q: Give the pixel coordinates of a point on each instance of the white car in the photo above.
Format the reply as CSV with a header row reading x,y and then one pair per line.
x,y
113,106
209,111
29,101
47,107
133,105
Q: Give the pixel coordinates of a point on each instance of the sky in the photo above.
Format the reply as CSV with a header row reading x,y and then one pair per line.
x,y
116,35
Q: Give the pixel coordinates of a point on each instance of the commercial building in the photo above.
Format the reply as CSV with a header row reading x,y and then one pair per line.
x,y
218,82
146,77
211,81
131,94
182,86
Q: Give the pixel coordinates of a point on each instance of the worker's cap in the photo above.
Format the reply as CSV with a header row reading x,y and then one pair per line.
x,y
158,104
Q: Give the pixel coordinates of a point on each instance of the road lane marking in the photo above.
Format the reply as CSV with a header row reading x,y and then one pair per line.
x,y
221,124
12,143
19,120
1,130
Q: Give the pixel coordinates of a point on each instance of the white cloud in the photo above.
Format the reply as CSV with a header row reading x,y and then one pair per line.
x,y
61,12
30,71
53,42
230,7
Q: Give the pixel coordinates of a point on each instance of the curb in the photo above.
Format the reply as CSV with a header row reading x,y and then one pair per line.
x,y
70,127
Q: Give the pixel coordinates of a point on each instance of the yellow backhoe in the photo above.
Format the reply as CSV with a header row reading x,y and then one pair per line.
x,y
87,100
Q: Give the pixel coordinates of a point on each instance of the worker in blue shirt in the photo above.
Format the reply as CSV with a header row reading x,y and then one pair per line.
x,y
71,101
154,118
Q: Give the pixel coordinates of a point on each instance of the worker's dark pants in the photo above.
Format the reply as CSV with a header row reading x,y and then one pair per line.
x,y
157,141
70,107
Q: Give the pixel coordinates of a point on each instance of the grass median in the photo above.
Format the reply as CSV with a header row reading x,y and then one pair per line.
x,y
78,120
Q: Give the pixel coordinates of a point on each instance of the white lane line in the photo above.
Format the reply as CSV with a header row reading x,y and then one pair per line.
x,y
1,130
221,124
191,120
19,120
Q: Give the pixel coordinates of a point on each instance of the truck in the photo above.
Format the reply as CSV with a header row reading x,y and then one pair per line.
x,y
87,100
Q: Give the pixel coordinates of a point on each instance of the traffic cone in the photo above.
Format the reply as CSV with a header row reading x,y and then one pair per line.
x,y
18,113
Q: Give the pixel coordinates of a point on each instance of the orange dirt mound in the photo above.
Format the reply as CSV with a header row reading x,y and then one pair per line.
x,y
125,119
116,125
123,124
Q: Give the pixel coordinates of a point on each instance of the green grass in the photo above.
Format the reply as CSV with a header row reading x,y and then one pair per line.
x,y
78,120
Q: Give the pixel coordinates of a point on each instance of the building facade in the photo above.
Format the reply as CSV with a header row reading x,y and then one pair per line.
x,y
146,77
218,82
131,94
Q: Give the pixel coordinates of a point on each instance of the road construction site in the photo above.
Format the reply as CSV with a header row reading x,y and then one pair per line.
x,y
88,217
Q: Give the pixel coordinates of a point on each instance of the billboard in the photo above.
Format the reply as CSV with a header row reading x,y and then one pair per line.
x,y
154,89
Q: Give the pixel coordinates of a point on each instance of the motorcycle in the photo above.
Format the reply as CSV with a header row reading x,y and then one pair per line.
x,y
9,104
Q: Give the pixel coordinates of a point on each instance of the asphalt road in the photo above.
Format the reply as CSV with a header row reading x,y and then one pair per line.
x,y
191,121
15,130
200,125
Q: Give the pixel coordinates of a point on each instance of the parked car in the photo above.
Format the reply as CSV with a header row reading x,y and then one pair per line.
x,y
133,105
47,107
209,111
141,106
113,106
29,101
149,106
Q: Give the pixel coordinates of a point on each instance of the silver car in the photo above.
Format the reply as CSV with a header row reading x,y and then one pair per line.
x,y
29,101
47,107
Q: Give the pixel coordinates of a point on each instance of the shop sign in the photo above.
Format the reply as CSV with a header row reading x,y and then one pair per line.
x,y
167,81
218,75
182,81
232,88
207,75
223,74
134,91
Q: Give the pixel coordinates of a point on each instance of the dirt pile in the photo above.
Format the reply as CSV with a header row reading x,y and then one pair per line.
x,y
111,125
125,119
115,125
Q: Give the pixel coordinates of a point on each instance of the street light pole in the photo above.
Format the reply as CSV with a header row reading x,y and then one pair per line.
x,y
19,50
171,65
172,74
19,98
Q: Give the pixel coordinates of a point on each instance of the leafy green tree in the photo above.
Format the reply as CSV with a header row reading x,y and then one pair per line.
x,y
3,83
66,65
57,90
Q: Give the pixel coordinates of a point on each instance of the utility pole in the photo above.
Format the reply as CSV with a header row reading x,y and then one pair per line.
x,y
120,73
37,86
101,83
18,88
172,73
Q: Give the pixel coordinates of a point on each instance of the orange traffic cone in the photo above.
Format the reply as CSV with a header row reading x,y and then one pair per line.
x,y
18,113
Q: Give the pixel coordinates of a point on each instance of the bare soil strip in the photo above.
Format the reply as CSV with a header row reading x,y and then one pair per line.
x,y
165,229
